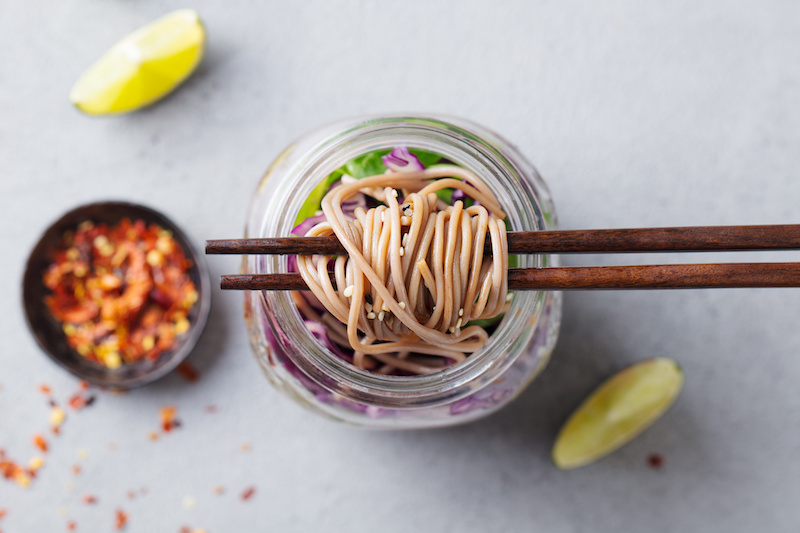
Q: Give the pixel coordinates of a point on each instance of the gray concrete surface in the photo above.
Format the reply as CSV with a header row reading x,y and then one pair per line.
x,y
637,114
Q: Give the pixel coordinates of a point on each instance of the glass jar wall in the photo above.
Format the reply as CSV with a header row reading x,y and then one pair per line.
x,y
301,366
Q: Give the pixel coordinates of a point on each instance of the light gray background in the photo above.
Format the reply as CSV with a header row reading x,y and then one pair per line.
x,y
636,113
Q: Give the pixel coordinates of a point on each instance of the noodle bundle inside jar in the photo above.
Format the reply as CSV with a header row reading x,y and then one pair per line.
x,y
415,292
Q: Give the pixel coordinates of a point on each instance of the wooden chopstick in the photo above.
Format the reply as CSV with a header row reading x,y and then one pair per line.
x,y
677,239
692,276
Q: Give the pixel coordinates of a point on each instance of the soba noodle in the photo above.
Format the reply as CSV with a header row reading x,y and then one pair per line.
x,y
415,274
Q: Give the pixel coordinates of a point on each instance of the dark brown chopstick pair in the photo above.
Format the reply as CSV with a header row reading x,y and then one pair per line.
x,y
640,240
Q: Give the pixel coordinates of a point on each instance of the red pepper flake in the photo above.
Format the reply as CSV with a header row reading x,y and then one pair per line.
x,y
56,430
248,493
76,469
655,460
152,435
168,421
45,389
89,499
186,529
218,489
188,372
40,443
122,520
84,385
211,408
131,495
3,513
71,526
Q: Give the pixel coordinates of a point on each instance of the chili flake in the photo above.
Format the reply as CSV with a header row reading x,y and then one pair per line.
x,y
655,460
168,420
76,469
45,389
39,442
89,499
248,493
188,372
71,526
57,416
122,293
122,520
211,408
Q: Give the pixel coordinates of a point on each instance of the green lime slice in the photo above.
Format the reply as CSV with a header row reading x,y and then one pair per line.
x,y
617,411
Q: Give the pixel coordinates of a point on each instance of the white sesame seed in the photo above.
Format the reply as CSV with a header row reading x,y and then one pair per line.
x,y
381,315
348,292
402,252
368,307
458,324
382,215
404,220
394,193
461,312
405,239
402,305
371,315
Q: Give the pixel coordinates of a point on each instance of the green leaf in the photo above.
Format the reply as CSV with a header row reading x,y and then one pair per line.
x,y
426,158
314,201
369,164
486,322
445,195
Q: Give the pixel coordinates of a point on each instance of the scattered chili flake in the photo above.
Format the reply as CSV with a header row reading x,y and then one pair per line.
x,y
248,493
655,460
39,442
3,513
211,408
56,430
245,446
84,385
168,421
11,470
152,435
71,526
218,489
188,372
57,416
188,502
52,403
122,520
122,293
131,495
76,469
45,389
89,499
35,463
186,529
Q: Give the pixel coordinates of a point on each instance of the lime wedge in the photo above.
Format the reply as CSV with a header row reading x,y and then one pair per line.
x,y
143,67
617,411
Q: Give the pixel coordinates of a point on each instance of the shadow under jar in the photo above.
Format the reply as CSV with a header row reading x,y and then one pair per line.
x,y
301,366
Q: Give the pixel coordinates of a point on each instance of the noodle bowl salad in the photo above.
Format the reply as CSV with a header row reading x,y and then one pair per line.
x,y
414,326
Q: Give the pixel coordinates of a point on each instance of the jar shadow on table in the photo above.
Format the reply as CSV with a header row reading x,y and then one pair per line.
x,y
590,349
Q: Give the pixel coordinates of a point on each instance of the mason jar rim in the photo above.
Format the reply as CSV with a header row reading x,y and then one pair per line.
x,y
453,139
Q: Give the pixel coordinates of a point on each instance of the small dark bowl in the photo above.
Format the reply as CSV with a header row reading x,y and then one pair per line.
x,y
48,331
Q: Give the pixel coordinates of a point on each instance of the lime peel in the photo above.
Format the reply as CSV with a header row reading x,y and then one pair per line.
x,y
617,411
143,67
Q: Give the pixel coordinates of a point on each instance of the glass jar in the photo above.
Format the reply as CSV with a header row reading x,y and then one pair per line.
x,y
303,368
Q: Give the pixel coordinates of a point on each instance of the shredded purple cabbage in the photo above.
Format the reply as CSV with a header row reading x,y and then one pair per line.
x,y
401,160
